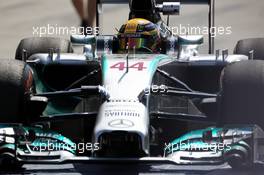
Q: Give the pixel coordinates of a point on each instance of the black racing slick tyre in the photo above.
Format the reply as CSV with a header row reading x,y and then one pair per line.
x,y
242,87
246,45
16,82
35,45
8,162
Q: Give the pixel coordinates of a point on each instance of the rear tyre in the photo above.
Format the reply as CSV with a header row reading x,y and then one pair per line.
x,y
35,45
242,85
16,83
246,45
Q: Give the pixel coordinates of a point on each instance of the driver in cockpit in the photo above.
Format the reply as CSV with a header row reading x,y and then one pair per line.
x,y
139,35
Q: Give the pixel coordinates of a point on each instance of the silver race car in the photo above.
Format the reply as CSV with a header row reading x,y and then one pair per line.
x,y
143,95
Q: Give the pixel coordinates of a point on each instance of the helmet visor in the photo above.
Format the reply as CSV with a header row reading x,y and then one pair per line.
x,y
135,43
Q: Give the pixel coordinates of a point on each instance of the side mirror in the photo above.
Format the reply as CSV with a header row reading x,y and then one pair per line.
x,y
95,46
190,40
188,46
83,39
169,8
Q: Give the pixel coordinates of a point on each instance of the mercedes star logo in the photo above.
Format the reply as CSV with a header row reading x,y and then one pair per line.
x,y
121,123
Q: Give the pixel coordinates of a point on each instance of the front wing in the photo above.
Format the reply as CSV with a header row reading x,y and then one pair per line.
x,y
245,148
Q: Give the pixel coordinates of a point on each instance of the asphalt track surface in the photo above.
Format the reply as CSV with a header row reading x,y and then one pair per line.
x,y
17,19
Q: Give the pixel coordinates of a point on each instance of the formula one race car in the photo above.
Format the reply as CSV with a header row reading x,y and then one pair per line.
x,y
133,97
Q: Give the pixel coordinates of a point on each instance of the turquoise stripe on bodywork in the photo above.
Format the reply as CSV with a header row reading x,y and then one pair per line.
x,y
197,134
104,65
191,135
7,146
154,63
185,142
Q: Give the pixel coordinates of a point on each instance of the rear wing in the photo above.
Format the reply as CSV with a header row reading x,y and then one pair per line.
x,y
211,14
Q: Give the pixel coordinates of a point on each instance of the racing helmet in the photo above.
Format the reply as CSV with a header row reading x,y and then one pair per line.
x,y
139,34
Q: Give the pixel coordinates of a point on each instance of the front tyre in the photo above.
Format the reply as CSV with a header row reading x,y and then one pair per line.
x,y
242,86
242,100
16,83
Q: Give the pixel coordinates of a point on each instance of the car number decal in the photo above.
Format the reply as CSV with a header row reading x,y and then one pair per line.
x,y
122,65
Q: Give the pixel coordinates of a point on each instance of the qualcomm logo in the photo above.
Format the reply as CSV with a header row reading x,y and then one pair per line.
x,y
121,123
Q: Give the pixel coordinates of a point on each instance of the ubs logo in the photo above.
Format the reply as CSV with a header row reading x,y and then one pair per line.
x,y
121,123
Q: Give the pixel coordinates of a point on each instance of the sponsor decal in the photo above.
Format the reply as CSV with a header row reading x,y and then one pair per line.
x,y
121,113
139,66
